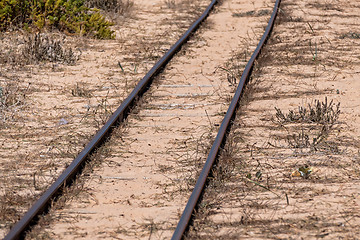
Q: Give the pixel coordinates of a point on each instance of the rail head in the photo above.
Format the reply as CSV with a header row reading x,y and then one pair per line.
x,y
186,216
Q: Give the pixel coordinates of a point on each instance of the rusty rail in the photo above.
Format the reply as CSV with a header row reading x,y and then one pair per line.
x,y
69,174
186,217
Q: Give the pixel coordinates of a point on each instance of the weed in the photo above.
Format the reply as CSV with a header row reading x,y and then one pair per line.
x,y
315,52
231,77
325,6
235,65
42,47
263,12
11,95
310,126
36,48
245,14
115,6
170,4
80,90
299,140
12,98
319,112
102,111
351,35
181,5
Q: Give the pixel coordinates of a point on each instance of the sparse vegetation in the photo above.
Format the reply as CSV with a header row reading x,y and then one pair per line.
x,y
319,112
80,90
102,111
37,48
259,13
12,98
351,35
309,127
170,4
42,47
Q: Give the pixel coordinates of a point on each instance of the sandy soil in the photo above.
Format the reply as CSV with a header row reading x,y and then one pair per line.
x,y
59,107
313,54
141,187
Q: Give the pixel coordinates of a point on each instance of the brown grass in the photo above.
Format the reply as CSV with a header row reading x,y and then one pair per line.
x,y
113,9
12,98
25,49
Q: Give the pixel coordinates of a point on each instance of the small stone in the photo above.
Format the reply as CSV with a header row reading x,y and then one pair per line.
x,y
63,121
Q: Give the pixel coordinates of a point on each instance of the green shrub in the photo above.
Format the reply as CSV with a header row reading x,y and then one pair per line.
x,y
67,15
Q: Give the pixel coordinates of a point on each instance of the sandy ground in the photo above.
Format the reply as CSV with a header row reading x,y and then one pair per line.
x,y
141,183
140,189
258,191
58,107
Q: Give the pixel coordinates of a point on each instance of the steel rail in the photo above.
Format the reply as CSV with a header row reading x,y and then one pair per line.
x,y
67,177
219,141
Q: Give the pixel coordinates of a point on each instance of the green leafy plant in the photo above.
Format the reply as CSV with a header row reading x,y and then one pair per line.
x,y
70,16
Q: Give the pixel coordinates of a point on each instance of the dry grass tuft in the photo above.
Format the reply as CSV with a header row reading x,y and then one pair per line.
x,y
330,5
112,7
12,98
81,90
36,48
351,35
44,48
263,12
311,126
319,112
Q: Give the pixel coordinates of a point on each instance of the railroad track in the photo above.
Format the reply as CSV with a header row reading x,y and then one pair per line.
x,y
178,91
221,136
